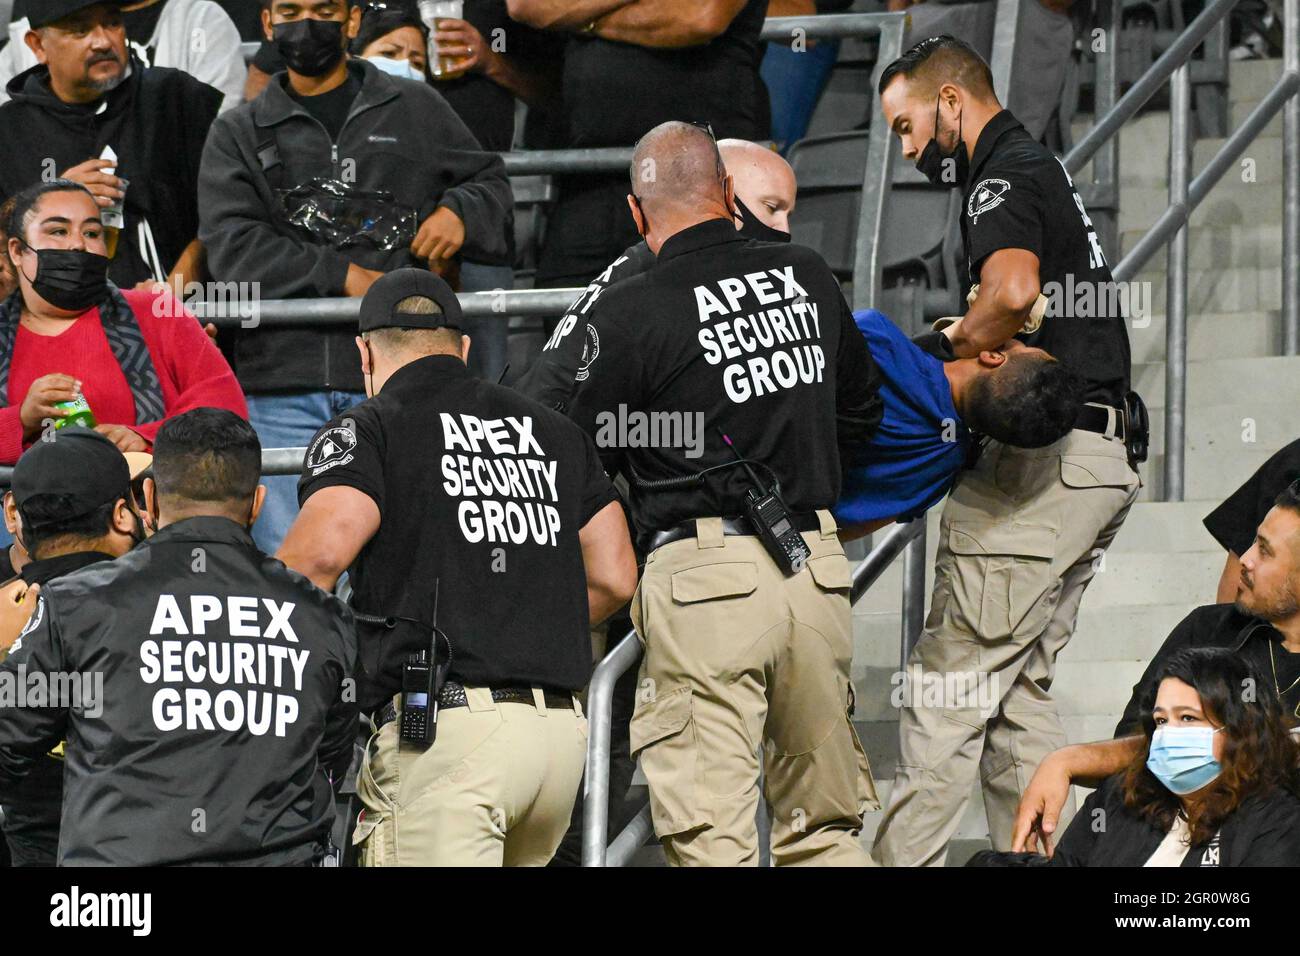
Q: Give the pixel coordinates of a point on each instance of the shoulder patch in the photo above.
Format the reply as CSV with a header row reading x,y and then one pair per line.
x,y
32,624
333,447
590,351
987,195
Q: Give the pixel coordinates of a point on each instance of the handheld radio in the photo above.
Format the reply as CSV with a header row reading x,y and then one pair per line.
x,y
423,677
770,519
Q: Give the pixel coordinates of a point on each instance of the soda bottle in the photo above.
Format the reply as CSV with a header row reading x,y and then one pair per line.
x,y
76,412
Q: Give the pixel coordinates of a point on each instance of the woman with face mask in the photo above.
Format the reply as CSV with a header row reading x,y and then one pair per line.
x,y
395,40
1214,786
74,346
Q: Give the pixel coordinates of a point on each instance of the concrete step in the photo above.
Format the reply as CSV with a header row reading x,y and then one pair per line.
x,y
1264,380
1213,247
1212,334
1236,288
1260,164
1237,113
1170,527
1227,204
1250,80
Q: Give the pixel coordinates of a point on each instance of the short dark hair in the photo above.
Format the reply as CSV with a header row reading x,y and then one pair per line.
x,y
23,203
207,454
379,22
1029,402
1289,497
349,4
44,527
942,59
394,338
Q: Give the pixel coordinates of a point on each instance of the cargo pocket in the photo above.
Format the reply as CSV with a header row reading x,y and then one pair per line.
x,y
376,835
709,582
1002,579
663,737
831,572
1097,471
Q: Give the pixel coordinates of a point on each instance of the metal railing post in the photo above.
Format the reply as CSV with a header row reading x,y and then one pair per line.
x,y
1180,166
1291,185
595,779
1105,164
876,179
1006,21
913,609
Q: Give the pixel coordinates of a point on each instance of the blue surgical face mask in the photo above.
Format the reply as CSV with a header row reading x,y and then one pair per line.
x,y
1182,758
402,68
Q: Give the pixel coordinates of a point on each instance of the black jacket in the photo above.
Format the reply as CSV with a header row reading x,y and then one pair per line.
x,y
1264,831
215,690
1217,625
400,136
156,121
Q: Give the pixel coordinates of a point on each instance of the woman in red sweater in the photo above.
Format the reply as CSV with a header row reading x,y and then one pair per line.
x,y
137,357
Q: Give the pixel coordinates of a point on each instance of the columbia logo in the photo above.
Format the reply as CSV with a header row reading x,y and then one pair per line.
x,y
376,138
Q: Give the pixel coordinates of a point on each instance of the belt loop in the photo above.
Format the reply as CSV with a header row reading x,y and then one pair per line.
x,y
827,521
479,699
539,700
708,533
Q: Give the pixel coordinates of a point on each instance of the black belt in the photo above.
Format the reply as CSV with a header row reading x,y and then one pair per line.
x,y
453,695
808,521
1097,418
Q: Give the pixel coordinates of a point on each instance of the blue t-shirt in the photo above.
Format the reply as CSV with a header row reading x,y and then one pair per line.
x,y
911,460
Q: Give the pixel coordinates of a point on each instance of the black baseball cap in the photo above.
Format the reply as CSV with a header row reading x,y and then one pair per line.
x,y
41,13
77,462
377,307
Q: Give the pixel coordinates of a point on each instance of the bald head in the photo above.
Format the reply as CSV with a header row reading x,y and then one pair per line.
x,y
764,181
676,164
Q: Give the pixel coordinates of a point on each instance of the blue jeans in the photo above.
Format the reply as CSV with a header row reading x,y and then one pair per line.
x,y
795,81
487,350
289,420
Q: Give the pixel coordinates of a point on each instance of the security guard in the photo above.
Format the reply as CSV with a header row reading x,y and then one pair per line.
x,y
203,689
1023,531
481,536
727,375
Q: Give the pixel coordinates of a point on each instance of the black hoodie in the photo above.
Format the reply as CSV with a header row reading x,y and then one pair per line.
x,y
156,121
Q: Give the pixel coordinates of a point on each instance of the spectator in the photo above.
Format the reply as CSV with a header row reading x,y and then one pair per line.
x,y
1262,627
445,196
1213,783
630,65
482,93
87,98
196,36
1233,523
137,357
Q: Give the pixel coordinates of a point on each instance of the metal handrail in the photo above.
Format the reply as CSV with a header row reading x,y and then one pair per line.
x,y
905,538
1174,67
891,31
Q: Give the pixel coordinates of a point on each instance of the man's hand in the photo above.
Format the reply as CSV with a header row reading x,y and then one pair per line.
x,y
17,601
105,187
1040,807
359,280
440,237
41,398
121,436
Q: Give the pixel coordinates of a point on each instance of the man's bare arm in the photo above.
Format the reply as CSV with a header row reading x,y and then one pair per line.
x,y
561,14
669,23
331,529
609,560
1084,764
1008,289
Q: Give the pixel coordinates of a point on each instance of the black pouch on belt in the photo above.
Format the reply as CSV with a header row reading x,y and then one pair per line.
x,y
1137,428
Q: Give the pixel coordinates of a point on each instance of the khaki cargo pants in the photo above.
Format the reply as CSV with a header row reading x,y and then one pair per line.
x,y
496,788
737,655
1022,534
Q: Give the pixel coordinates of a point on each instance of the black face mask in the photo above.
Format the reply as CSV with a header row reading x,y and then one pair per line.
x,y
751,227
934,163
70,279
309,47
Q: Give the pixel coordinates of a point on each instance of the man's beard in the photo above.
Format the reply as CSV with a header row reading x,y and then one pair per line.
x,y
1269,607
111,83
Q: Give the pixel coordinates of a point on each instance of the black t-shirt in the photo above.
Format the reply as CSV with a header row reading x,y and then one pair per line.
x,y
1233,523
1019,196
615,92
330,109
724,332
1222,625
480,490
